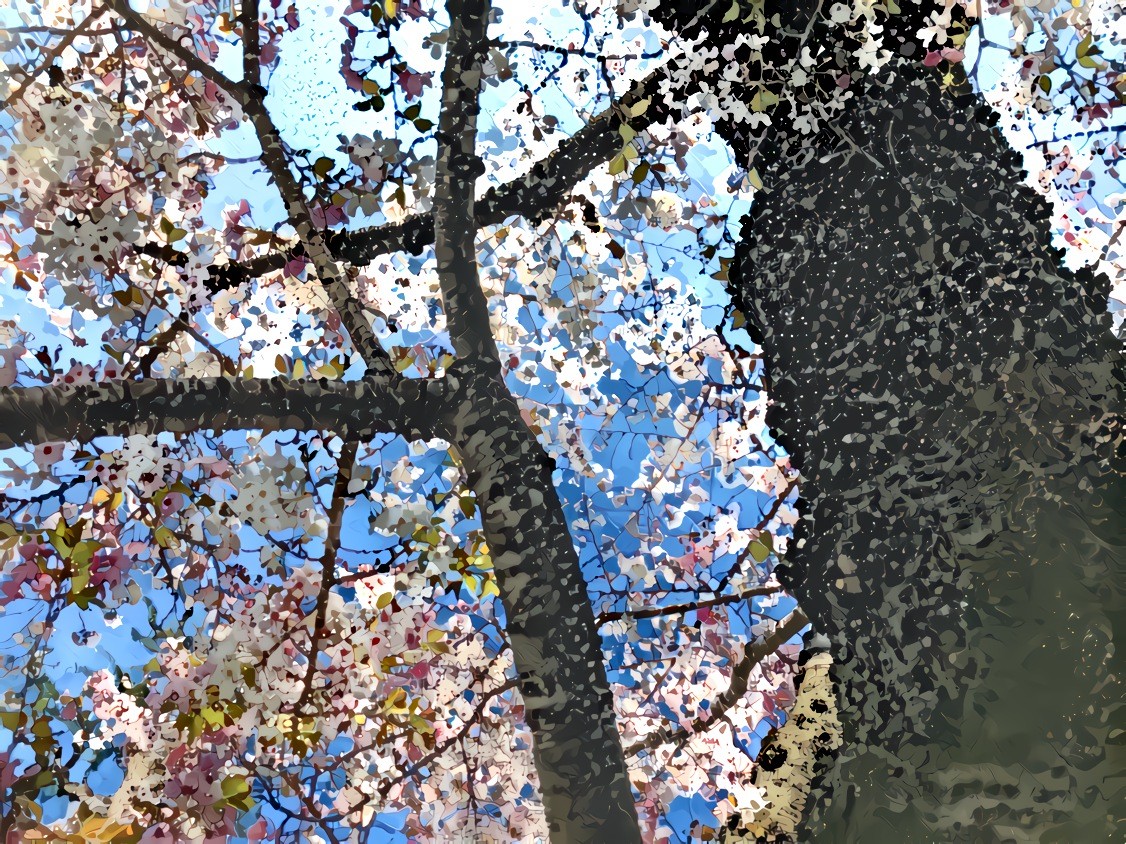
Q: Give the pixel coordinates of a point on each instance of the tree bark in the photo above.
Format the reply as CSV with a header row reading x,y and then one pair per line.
x,y
548,616
952,397
354,409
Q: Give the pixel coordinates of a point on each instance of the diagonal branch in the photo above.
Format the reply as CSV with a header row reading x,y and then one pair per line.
x,y
352,409
478,713
50,56
344,467
251,97
534,196
740,680
678,609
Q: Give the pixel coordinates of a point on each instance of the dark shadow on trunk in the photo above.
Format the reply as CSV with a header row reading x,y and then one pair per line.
x,y
951,395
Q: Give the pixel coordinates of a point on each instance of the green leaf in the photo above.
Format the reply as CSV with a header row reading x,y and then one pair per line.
x,y
323,166
760,549
236,793
468,505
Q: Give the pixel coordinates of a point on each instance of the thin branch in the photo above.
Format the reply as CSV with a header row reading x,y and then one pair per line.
x,y
158,344
344,466
50,55
185,55
766,519
678,609
478,713
740,679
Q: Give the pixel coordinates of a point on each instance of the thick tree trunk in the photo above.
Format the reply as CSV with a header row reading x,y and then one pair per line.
x,y
951,397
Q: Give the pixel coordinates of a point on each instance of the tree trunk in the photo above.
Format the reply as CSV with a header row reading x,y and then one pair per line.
x,y
549,619
951,396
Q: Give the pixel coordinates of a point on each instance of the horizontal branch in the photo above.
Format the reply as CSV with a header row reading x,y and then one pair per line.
x,y
740,680
352,409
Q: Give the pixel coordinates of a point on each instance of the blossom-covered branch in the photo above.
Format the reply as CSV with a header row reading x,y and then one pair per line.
x,y
740,678
251,97
533,196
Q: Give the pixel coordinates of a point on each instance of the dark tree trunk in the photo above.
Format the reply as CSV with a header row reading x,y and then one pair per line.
x,y
951,395
549,620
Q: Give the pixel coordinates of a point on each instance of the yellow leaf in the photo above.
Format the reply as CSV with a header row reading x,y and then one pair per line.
x,y
638,108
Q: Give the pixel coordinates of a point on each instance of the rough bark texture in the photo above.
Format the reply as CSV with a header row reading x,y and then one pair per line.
x,y
548,617
353,409
951,397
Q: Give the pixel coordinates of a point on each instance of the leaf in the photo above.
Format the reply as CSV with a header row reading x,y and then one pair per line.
x,y
236,793
760,549
323,166
639,108
109,499
763,100
468,505
617,165
640,172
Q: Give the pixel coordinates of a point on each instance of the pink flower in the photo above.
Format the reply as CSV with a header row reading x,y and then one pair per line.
x,y
412,84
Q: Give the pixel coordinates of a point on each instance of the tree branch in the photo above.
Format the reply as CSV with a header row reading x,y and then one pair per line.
x,y
352,409
344,465
534,196
677,609
467,725
740,679
251,96
50,55
457,169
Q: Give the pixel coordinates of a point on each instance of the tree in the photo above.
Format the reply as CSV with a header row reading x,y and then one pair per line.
x,y
788,82
952,397
277,668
